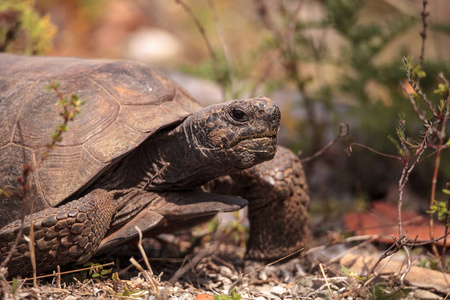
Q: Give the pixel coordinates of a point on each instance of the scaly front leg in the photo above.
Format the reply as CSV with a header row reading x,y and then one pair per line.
x,y
278,204
64,234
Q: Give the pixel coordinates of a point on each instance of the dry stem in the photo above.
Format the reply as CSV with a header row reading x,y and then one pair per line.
x,y
70,110
215,61
225,48
340,135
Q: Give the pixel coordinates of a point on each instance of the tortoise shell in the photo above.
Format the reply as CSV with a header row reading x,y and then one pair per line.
x,y
126,103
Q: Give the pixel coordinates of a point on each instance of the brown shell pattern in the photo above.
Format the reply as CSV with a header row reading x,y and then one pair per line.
x,y
126,103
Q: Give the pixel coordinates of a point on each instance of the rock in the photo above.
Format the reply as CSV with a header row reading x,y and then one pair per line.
x,y
153,46
278,290
425,295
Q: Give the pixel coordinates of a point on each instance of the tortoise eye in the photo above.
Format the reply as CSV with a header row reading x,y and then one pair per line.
x,y
238,115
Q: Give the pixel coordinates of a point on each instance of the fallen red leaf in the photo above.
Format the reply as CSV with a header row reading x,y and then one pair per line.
x,y
382,220
204,297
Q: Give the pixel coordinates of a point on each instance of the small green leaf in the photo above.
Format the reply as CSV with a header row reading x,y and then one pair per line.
x,y
345,270
61,128
106,271
445,191
421,74
55,84
126,292
15,284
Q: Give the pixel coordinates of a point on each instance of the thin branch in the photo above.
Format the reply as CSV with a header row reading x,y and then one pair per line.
x,y
326,280
404,179
283,41
215,61
68,272
213,246
394,248
349,151
419,113
441,136
262,267
71,108
408,265
415,244
340,135
447,220
424,14
159,172
23,181
417,89
147,263
225,48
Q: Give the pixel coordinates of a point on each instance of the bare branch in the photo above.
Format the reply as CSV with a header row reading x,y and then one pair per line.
x,y
225,48
349,151
215,61
394,248
423,34
419,113
340,135
283,41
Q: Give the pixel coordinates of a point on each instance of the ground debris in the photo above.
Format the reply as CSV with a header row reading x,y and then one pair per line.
x,y
217,274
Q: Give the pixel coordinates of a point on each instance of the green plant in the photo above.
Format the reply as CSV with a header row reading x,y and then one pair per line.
x,y
70,108
234,296
23,30
352,274
133,293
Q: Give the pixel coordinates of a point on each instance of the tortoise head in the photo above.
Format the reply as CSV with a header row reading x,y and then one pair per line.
x,y
239,133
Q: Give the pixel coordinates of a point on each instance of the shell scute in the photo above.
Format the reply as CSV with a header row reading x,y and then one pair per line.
x,y
126,103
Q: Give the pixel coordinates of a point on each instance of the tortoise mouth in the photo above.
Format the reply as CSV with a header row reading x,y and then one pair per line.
x,y
258,139
263,143
254,150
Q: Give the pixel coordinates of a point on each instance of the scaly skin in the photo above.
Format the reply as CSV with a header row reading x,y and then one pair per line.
x,y
134,123
70,233
276,189
278,204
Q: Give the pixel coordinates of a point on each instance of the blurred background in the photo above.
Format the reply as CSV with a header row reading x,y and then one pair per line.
x,y
324,62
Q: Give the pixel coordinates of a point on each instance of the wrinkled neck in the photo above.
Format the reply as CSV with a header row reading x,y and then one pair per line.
x,y
176,158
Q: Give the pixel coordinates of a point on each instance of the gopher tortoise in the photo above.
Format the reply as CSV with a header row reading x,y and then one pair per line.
x,y
99,182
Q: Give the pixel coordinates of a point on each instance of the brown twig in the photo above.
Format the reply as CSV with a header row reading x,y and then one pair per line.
x,y
424,14
340,135
159,172
213,246
420,114
215,61
349,150
408,265
262,267
147,263
394,248
23,181
447,220
69,272
283,41
326,280
443,116
70,110
425,243
225,48
405,177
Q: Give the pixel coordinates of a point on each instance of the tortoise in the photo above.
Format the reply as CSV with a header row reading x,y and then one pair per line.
x,y
142,152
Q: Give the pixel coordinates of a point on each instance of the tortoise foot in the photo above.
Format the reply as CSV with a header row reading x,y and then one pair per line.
x,y
69,233
278,205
